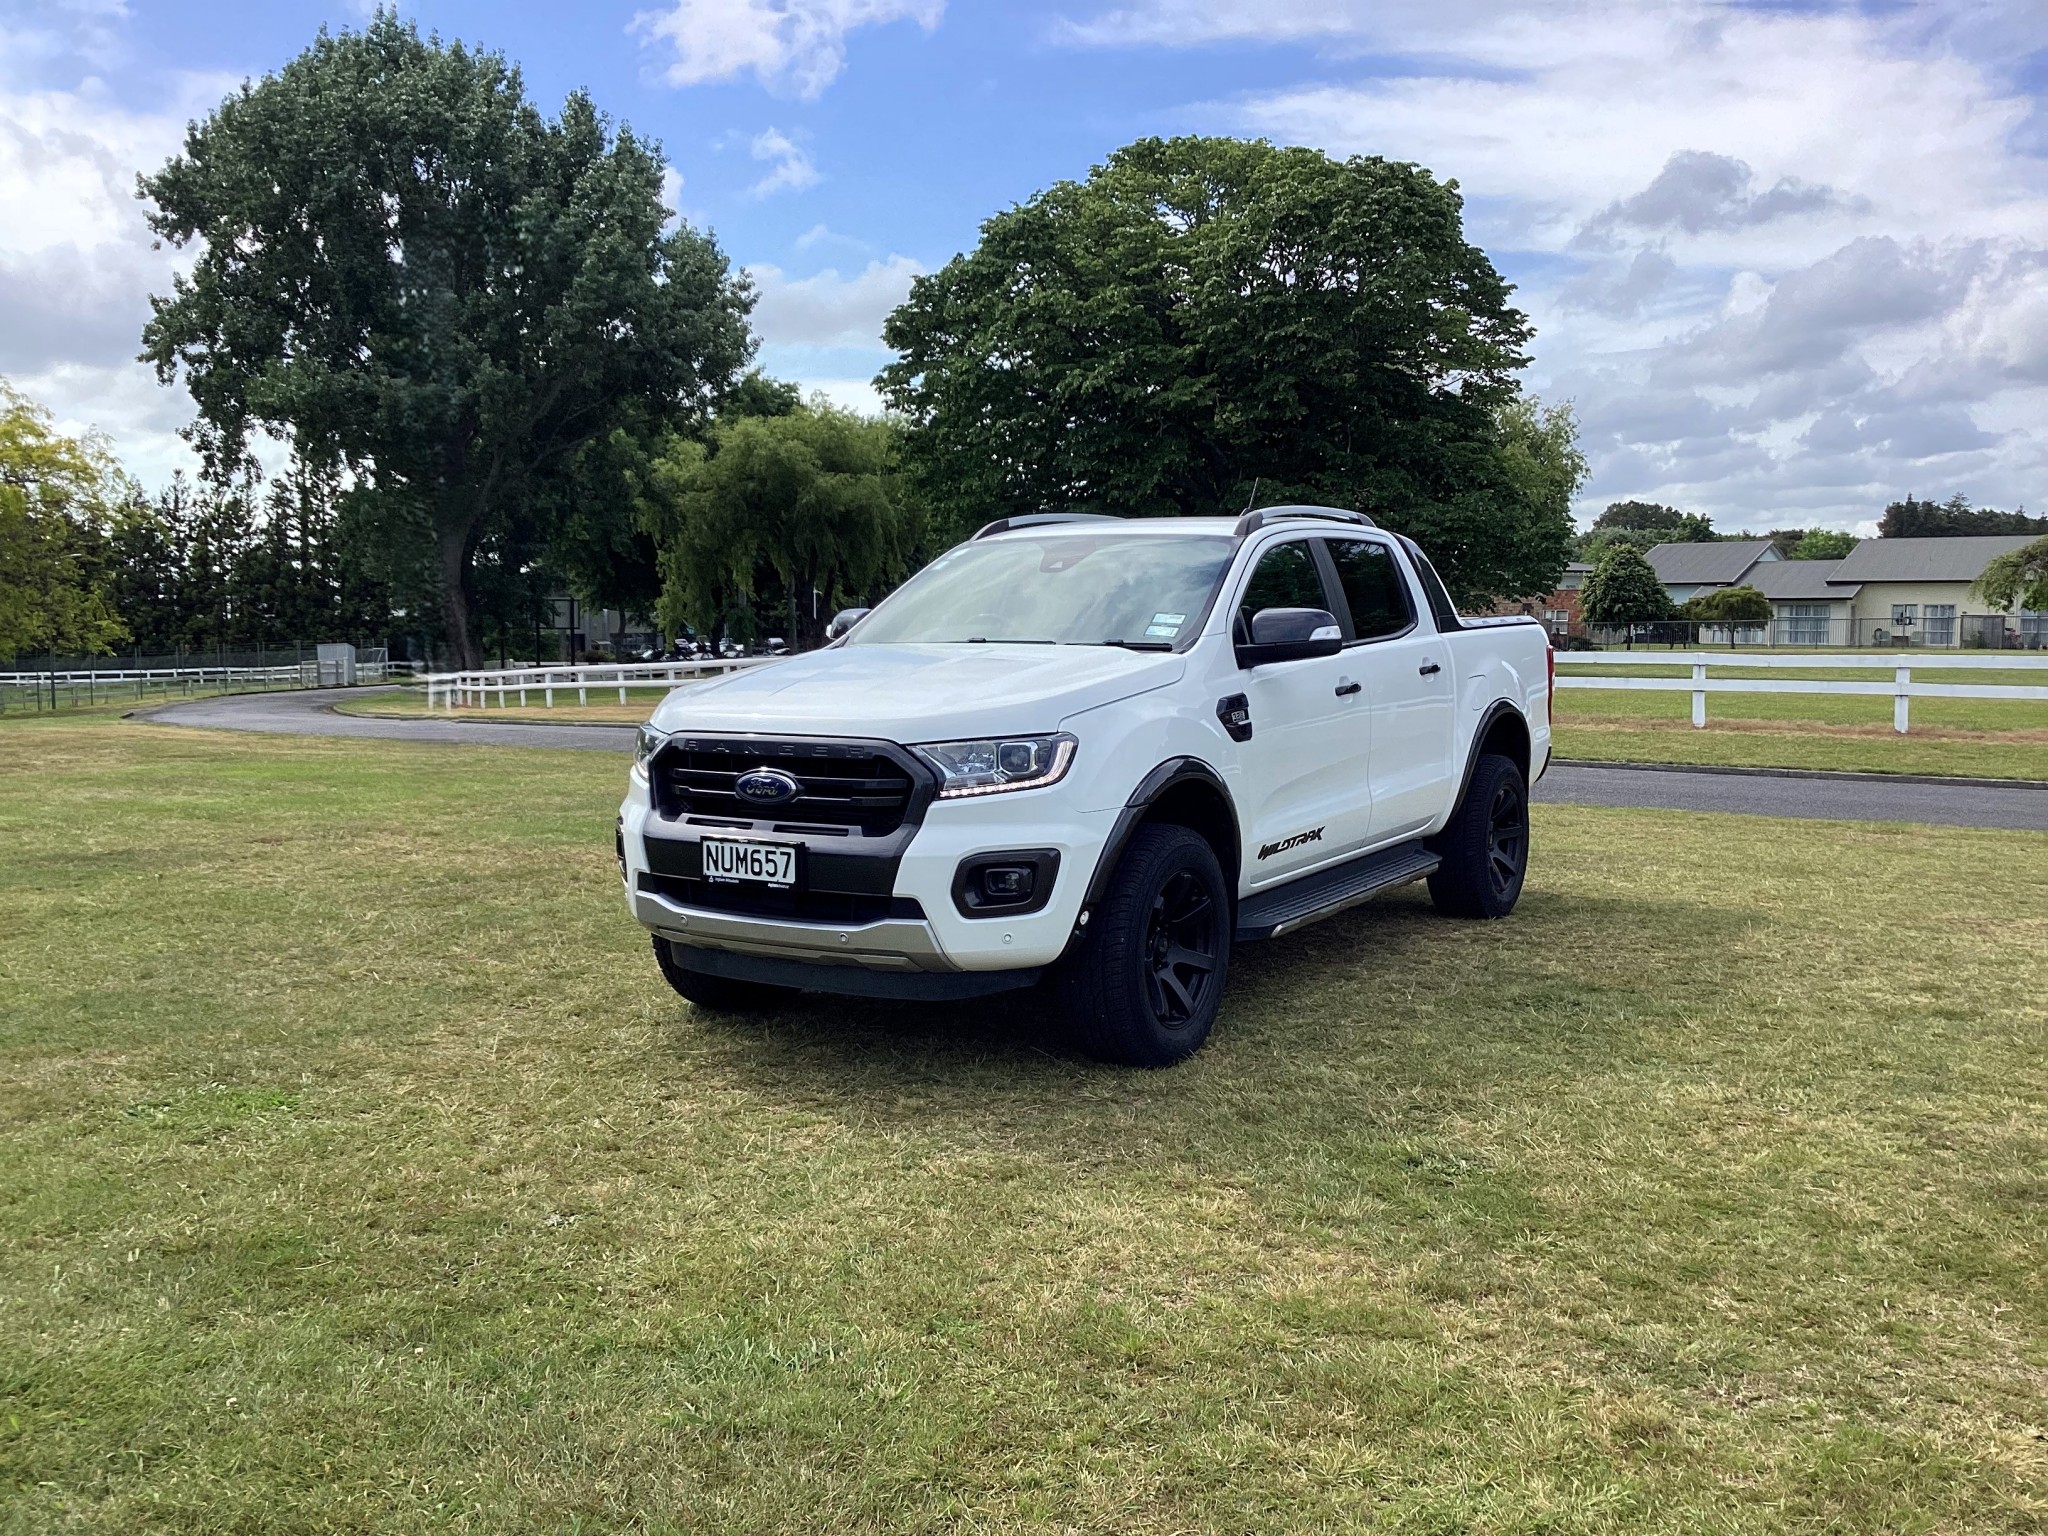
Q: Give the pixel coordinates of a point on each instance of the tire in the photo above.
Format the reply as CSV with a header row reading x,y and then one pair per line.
x,y
719,994
1485,849
1142,986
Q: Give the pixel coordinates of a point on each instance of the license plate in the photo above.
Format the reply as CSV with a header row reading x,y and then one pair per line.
x,y
750,863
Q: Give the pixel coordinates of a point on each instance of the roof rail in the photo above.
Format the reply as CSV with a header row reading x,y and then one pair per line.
x,y
1039,519
1251,522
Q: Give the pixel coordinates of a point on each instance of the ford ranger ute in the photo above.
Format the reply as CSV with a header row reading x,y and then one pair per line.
x,y
1094,754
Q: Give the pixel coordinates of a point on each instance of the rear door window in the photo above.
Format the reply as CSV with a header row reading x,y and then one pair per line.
x,y
1372,586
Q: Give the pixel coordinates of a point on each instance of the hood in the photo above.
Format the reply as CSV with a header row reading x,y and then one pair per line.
x,y
912,693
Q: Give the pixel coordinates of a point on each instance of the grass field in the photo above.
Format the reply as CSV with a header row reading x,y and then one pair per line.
x,y
357,1174
1989,738
1969,737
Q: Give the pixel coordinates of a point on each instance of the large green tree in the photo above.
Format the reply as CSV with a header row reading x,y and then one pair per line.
x,y
806,510
58,499
1821,544
1735,606
413,275
2018,578
1623,589
1669,524
1208,323
1913,519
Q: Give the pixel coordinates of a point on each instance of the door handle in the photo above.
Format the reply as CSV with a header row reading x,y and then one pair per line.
x,y
1429,669
1344,690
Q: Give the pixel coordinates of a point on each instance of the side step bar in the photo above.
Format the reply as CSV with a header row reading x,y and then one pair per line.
x,y
1314,897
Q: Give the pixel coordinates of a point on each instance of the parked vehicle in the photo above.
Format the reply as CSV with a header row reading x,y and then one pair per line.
x,y
1093,753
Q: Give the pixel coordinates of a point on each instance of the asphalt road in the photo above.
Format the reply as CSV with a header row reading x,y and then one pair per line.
x,y
1870,797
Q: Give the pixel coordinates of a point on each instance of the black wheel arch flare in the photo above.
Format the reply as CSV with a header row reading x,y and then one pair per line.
x,y
1192,783
1501,720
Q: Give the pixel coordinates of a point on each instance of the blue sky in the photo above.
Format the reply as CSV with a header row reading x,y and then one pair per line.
x,y
1786,261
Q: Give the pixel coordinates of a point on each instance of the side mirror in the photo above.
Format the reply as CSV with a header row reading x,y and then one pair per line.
x,y
844,620
1290,634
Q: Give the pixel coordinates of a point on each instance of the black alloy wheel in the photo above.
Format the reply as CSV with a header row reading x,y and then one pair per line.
x,y
1180,943
1142,984
1485,846
1507,838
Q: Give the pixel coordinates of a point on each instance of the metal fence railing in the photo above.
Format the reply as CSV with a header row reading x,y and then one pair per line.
x,y
83,681
507,685
83,687
1902,686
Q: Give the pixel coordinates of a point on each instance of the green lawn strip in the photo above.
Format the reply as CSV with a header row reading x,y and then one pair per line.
x,y
357,1173
110,702
1989,738
1586,742
603,700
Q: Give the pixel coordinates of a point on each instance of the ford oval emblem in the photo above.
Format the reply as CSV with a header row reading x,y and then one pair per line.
x,y
766,786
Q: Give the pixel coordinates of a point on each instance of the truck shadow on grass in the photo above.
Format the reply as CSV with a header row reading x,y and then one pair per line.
x,y
1383,1004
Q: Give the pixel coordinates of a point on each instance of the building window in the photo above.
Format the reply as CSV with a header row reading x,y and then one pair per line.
x,y
1938,624
1805,623
1905,615
2034,628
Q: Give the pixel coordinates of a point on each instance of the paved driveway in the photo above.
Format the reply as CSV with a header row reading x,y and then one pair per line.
x,y
1869,798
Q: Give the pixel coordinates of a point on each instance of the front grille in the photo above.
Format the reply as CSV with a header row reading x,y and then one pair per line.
x,y
840,784
790,906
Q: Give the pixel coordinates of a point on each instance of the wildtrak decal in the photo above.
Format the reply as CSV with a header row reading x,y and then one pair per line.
x,y
1313,835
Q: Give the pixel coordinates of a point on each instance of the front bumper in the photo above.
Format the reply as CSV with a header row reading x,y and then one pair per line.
x,y
892,944
922,933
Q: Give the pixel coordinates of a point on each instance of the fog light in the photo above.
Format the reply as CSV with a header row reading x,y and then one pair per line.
x,y
1008,882
1005,882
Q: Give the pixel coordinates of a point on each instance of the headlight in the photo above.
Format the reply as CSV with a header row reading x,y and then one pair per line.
x,y
995,766
645,745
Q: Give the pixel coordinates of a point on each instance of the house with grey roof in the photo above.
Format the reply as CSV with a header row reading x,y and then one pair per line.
x,y
1690,569
1907,592
1809,606
1917,592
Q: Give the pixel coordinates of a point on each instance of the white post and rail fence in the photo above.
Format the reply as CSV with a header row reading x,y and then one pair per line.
x,y
508,687
1902,686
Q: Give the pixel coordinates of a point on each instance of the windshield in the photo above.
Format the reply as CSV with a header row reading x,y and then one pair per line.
x,y
1139,590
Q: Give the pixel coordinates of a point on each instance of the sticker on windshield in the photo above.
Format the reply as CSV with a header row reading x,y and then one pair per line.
x,y
1165,626
1175,619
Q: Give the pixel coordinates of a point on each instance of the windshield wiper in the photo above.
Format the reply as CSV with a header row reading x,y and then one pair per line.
x,y
1139,645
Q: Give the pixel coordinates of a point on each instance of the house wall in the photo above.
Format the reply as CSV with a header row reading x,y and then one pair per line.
x,y
1874,603
1838,612
1565,601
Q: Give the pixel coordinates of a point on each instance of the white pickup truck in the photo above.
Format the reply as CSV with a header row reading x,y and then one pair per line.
x,y
1094,753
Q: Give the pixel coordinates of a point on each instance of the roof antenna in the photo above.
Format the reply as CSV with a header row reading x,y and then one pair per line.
x,y
1254,495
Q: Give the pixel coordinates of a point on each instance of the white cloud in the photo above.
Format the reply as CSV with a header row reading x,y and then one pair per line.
x,y
848,394
1779,259
824,234
790,168
827,310
672,195
76,264
788,45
